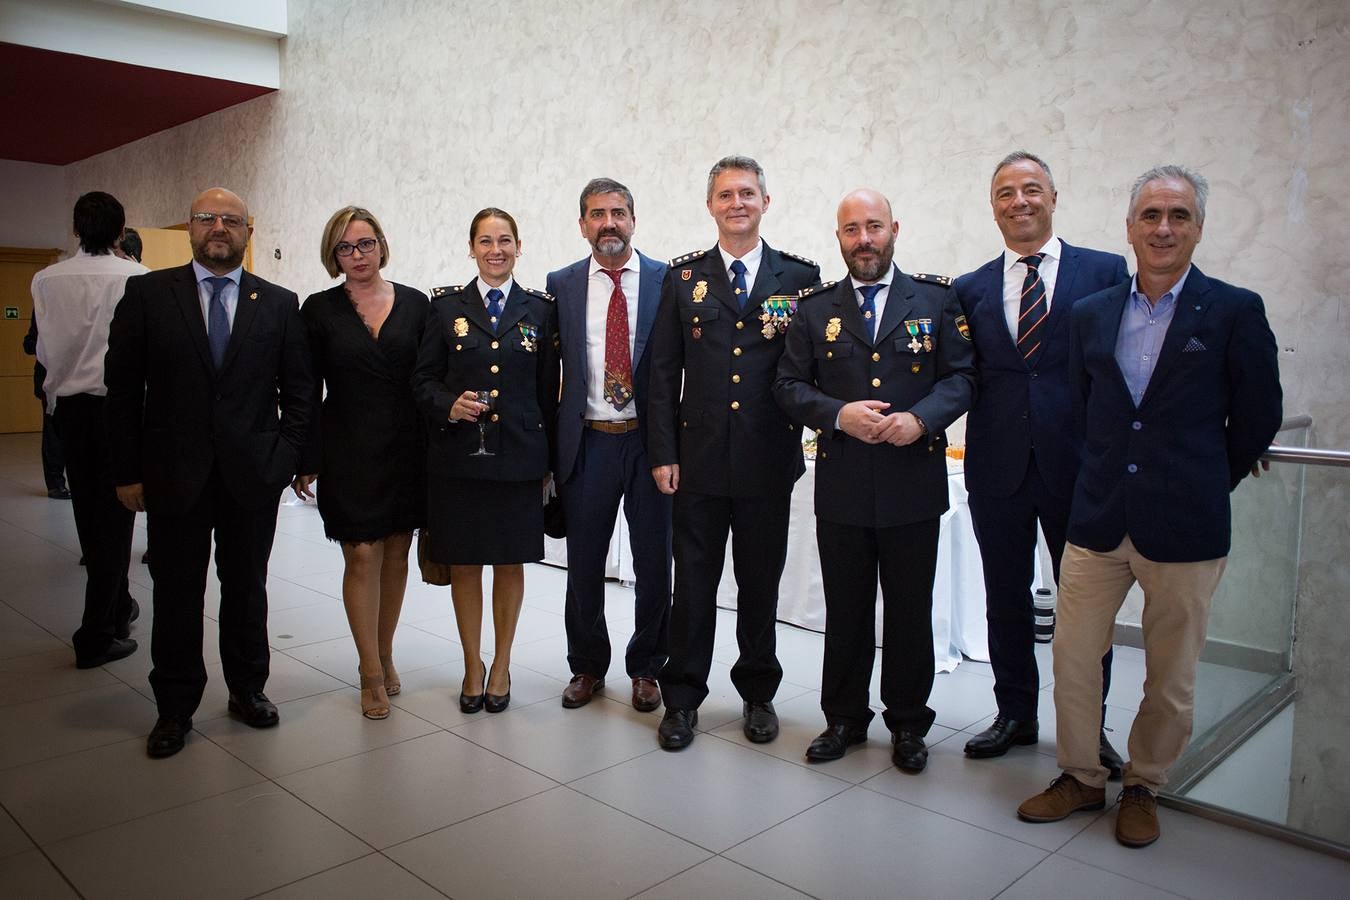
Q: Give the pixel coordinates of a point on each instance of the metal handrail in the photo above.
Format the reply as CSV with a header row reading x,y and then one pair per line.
x,y
1312,456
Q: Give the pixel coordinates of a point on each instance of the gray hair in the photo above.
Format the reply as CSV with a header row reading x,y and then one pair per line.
x,y
744,163
1019,156
1158,173
605,186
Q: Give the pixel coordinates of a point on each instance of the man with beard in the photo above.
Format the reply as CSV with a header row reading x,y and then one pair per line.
x,y
606,305
199,358
879,364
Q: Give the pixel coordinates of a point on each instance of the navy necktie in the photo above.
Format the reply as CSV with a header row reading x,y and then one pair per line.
x,y
738,283
494,307
217,321
1032,311
869,308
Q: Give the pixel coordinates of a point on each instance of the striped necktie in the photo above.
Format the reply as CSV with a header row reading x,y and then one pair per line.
x,y
1032,313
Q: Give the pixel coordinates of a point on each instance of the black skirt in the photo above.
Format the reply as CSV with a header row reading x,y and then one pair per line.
x,y
484,523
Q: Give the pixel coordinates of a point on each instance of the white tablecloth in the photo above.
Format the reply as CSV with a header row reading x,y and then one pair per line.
x,y
958,589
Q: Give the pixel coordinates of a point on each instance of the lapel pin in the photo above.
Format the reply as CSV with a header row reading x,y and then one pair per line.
x,y
253,296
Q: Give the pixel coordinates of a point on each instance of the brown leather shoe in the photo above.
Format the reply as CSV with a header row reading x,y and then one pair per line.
x,y
646,694
580,689
1065,795
1137,817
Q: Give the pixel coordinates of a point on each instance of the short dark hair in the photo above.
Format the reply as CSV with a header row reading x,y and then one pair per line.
x,y
605,186
131,245
99,219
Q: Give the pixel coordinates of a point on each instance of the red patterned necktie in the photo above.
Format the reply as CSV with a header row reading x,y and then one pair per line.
x,y
1032,312
618,358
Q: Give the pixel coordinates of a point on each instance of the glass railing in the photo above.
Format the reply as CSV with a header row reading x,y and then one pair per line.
x,y
1272,699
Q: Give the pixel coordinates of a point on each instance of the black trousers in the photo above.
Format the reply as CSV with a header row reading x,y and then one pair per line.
x,y
103,524
53,460
610,468
182,543
904,557
758,527
1005,528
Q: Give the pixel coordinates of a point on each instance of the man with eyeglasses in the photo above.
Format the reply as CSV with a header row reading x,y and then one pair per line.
x,y
200,359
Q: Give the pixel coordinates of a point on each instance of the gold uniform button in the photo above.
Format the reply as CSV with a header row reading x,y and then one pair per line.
x,y
876,382
695,320
735,404
494,370
494,417
493,392
459,346
736,352
876,357
735,379
824,455
740,325
829,354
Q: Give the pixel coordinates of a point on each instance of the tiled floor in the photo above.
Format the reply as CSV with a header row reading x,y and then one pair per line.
x,y
537,802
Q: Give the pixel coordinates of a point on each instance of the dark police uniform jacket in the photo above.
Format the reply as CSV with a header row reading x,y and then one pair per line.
x,y
829,362
723,430
517,361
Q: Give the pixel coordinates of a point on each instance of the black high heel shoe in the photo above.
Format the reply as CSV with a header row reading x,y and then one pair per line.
x,y
495,703
473,704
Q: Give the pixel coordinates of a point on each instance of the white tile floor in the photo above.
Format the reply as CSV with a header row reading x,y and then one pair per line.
x,y
536,802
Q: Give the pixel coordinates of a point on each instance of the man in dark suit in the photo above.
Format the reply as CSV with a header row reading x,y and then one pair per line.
x,y
877,363
1021,455
606,305
723,448
200,357
1178,392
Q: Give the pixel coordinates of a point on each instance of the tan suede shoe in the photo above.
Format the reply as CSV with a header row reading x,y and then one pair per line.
x,y
1065,795
1137,818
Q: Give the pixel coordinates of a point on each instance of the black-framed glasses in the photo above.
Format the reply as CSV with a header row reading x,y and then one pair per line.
x,y
365,245
208,219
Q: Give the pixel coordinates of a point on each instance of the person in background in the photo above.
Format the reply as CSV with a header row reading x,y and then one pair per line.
x,y
53,460
367,451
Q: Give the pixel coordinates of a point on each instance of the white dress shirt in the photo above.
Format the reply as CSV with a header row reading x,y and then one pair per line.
x,y
879,301
599,288
751,261
504,287
229,296
73,303
1015,273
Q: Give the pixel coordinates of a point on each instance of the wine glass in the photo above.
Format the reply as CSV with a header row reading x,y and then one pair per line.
x,y
485,398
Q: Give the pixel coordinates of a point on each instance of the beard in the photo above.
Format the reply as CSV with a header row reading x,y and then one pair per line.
x,y
210,253
610,243
873,267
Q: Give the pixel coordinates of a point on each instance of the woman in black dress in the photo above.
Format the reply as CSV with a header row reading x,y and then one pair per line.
x,y
368,452
494,340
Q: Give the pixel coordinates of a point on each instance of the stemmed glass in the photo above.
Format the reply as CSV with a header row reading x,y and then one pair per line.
x,y
485,398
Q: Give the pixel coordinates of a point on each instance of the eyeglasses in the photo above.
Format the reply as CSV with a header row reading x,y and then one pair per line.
x,y
365,245
206,218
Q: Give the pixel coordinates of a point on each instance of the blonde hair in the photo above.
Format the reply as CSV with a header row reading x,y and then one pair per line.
x,y
332,236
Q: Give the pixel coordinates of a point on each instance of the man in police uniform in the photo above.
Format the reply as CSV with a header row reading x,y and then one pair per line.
x,y
725,451
879,363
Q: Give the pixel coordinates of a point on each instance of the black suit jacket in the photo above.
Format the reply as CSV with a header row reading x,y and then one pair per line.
x,y
829,362
1162,472
518,362
724,430
1021,410
172,417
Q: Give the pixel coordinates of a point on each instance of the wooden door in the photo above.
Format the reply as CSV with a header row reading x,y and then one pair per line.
x,y
19,409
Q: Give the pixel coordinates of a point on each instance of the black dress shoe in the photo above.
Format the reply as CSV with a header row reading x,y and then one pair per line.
x,y
118,648
910,754
1002,735
495,703
834,740
472,704
61,493
676,730
1110,758
761,722
167,737
124,630
254,709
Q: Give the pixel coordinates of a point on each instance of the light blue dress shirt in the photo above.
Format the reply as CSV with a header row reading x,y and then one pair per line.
x,y
229,297
1143,326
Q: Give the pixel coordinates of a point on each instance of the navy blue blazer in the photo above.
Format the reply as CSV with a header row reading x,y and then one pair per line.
x,y
1022,410
568,286
1162,473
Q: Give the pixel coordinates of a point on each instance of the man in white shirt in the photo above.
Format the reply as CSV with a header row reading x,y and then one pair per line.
x,y
73,303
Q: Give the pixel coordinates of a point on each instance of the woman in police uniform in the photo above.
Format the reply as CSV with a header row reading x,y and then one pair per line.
x,y
488,335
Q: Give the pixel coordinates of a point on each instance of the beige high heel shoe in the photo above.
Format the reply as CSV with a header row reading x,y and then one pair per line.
x,y
374,700
392,685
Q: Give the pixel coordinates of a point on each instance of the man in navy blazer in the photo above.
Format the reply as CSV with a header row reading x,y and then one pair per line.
x,y
1021,454
1178,395
606,305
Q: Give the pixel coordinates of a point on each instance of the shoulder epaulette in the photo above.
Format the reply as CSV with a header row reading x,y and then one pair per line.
x,y
680,260
542,295
824,285
943,280
800,259
442,291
